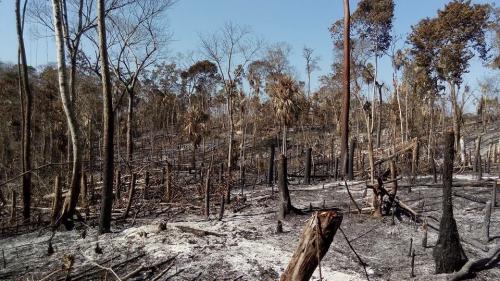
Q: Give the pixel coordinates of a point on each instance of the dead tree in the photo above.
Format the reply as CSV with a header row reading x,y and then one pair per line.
x,y
57,200
448,253
314,242
131,192
285,202
394,175
477,265
26,110
307,173
350,166
168,183
207,192
477,156
486,224
13,207
108,129
346,89
494,194
118,184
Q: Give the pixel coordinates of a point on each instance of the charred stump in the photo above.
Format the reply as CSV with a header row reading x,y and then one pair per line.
x,y
314,242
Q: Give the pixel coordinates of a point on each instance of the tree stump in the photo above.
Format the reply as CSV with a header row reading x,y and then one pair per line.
x,y
314,242
57,200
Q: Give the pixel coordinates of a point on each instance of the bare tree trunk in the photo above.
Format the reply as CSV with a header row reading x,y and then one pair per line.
x,y
350,167
230,148
307,172
285,201
26,111
347,96
107,189
448,253
130,113
71,119
379,123
270,177
57,200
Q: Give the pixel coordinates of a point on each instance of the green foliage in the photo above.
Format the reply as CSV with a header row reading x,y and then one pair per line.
x,y
443,46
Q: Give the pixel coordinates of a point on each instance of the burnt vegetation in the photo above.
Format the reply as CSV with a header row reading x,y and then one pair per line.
x,y
118,162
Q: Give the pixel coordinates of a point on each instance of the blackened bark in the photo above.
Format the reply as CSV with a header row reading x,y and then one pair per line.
x,y
350,167
448,253
270,178
346,87
26,112
307,173
285,202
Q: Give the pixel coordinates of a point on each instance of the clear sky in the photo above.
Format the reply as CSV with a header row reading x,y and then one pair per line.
x,y
297,22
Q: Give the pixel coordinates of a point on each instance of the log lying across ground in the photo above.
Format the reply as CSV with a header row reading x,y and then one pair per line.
x,y
473,266
313,244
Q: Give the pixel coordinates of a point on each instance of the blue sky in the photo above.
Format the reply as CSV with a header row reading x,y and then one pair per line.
x,y
297,22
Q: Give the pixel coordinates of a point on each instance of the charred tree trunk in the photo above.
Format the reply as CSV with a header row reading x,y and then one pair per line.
x,y
394,175
448,253
314,242
207,192
350,168
285,201
346,88
307,172
270,178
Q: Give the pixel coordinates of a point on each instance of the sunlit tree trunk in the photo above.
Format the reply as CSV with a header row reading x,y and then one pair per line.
x,y
26,112
347,96
107,189
73,125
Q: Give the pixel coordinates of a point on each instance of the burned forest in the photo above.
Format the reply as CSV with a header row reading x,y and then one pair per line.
x,y
249,140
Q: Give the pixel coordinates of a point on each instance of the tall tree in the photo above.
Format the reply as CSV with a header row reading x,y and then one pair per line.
x,y
138,35
26,104
68,107
444,46
347,89
373,22
231,49
311,65
107,188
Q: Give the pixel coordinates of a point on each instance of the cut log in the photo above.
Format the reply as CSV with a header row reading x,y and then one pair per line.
x,y
313,244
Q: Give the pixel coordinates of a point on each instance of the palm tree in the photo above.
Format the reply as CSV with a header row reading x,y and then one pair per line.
x,y
287,99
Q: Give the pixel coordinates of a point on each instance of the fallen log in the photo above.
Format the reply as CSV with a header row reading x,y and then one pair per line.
x,y
313,244
470,197
198,232
473,266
